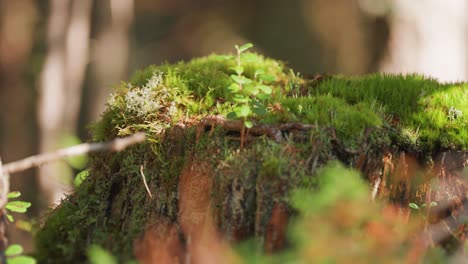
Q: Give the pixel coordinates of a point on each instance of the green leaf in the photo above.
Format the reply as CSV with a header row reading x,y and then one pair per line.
x,y
234,88
18,206
244,47
80,177
238,69
432,204
242,111
22,260
248,124
240,79
14,249
98,255
12,195
260,111
10,218
251,90
414,206
241,99
263,96
267,78
265,89
77,162
231,115
259,72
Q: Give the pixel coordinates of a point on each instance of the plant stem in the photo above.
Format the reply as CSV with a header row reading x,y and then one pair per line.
x,y
242,134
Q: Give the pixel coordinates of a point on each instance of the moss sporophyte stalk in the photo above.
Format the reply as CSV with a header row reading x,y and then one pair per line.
x,y
290,127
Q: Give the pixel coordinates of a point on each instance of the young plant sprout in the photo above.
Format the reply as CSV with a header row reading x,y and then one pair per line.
x,y
248,95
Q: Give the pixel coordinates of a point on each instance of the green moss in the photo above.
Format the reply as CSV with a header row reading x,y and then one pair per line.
x,y
359,114
425,113
429,113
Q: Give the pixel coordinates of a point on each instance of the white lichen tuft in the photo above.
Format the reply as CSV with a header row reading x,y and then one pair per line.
x,y
152,98
454,113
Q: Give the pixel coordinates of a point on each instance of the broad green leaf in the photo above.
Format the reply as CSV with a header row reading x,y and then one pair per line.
x,y
238,69
263,96
248,124
250,90
231,115
264,88
242,111
18,206
260,111
244,47
24,225
240,79
259,72
14,249
80,177
414,206
98,255
432,204
267,78
77,162
241,99
233,88
10,218
22,260
12,195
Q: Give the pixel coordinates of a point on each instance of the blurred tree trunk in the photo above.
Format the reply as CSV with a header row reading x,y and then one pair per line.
x,y
110,53
60,88
429,37
17,125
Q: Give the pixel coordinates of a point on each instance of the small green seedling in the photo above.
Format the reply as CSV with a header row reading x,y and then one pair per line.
x,y
248,95
418,209
16,206
14,251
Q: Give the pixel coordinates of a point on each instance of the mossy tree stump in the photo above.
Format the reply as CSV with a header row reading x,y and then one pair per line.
x,y
200,182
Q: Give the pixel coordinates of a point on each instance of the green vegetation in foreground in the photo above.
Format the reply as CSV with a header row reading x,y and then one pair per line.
x,y
111,207
336,223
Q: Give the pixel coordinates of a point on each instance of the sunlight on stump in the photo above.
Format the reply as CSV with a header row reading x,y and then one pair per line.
x,y
199,190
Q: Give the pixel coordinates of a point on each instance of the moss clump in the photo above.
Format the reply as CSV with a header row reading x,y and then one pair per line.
x,y
346,117
428,113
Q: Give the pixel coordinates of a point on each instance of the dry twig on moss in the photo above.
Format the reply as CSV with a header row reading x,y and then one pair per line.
x,y
273,131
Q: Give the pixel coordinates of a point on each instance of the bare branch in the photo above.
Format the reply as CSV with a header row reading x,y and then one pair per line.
x,y
38,160
273,131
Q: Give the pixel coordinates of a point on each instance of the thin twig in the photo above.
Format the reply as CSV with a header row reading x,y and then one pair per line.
x,y
38,160
144,182
5,188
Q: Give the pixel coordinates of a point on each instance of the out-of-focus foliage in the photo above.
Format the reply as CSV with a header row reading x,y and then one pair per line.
x,y
337,223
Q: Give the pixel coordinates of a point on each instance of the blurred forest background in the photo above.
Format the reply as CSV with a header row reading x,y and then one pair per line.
x,y
60,59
